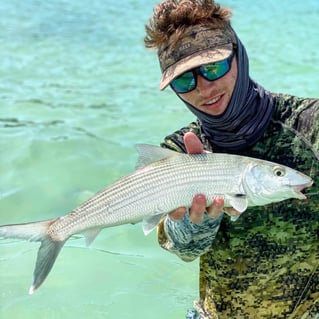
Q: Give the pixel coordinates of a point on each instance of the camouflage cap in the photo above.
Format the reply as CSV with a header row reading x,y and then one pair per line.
x,y
200,44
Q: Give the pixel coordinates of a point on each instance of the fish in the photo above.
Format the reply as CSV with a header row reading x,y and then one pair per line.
x,y
162,181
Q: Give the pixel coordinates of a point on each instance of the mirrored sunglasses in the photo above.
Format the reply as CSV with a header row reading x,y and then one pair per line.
x,y
211,72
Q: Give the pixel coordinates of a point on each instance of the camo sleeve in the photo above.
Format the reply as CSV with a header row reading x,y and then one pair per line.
x,y
186,239
302,114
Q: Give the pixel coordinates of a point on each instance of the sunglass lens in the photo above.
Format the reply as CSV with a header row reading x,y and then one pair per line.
x,y
215,71
185,83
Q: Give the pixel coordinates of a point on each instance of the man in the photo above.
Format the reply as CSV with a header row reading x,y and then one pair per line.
x,y
266,264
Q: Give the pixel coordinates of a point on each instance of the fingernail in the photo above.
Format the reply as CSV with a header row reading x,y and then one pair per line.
x,y
200,197
218,202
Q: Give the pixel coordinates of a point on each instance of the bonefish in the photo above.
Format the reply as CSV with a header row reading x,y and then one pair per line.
x,y
163,181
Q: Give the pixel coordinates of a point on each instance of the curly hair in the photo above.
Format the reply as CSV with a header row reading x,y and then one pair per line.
x,y
174,16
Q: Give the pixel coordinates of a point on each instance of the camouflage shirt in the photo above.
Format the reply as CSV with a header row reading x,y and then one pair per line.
x,y
266,264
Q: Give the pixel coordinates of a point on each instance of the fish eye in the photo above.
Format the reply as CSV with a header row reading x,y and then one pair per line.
x,y
279,171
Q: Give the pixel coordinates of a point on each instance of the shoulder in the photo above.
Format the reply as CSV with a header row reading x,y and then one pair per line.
x,y
292,108
299,114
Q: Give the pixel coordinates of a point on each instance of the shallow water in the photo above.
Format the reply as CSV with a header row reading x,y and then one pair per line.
x,y
77,91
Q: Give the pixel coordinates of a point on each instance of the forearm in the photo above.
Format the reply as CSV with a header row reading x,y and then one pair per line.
x,y
186,239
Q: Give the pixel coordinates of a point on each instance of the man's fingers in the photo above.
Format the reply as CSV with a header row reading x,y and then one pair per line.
x,y
198,209
214,210
177,214
193,144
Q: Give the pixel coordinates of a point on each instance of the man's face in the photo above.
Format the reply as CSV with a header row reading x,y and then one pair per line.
x,y
213,97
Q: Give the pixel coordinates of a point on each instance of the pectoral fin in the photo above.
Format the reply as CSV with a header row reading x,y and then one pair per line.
x,y
239,202
151,222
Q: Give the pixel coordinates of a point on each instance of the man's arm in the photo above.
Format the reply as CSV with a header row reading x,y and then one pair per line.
x,y
189,233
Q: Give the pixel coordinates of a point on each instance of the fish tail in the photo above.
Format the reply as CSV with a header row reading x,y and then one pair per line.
x,y
48,251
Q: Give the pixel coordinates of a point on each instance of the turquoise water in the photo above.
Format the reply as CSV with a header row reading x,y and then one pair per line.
x,y
77,91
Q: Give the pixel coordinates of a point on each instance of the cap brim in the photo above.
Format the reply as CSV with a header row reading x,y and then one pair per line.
x,y
193,61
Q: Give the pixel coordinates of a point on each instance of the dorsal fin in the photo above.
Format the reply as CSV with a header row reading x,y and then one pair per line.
x,y
151,153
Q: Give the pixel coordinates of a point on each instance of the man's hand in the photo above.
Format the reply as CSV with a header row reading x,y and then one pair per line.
x,y
198,208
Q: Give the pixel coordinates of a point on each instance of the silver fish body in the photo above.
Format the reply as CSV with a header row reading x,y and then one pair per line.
x,y
160,186
163,181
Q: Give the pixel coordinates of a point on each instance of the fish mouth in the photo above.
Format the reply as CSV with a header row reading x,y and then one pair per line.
x,y
299,188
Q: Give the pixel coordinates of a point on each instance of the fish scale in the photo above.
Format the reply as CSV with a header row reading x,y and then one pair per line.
x,y
123,194
117,203
164,181
131,198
